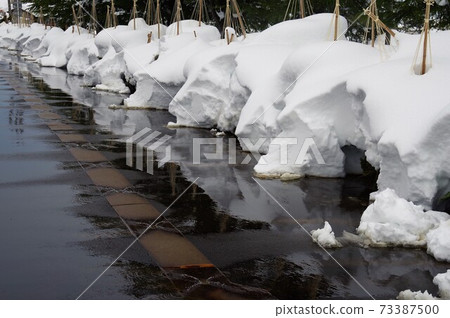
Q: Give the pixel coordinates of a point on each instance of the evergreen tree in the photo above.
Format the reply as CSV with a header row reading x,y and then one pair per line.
x,y
402,15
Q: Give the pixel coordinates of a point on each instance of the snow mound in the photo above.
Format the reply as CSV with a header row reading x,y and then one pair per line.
x,y
206,32
325,237
311,29
206,99
81,56
393,221
341,94
105,37
107,74
214,95
415,295
59,43
438,242
159,81
443,282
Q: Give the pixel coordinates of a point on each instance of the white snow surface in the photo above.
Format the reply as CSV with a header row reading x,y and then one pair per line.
x,y
438,242
59,44
393,221
415,295
221,81
351,94
158,82
325,237
443,282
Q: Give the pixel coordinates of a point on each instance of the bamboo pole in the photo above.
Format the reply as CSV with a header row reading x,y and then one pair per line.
x,y
336,20
134,14
76,19
372,8
302,8
93,26
379,22
80,13
200,12
108,17
241,23
178,16
426,30
113,14
149,12
227,15
41,16
158,18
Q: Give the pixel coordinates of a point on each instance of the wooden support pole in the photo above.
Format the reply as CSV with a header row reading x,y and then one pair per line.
x,y
134,14
200,12
108,17
227,15
113,14
158,18
239,16
426,30
41,16
149,37
149,12
75,18
336,20
178,16
93,26
80,14
379,22
302,9
373,10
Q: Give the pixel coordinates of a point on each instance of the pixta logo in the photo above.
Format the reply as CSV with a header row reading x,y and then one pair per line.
x,y
148,141
290,152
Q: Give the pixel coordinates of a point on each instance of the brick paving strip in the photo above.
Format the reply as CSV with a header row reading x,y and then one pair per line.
x,y
171,250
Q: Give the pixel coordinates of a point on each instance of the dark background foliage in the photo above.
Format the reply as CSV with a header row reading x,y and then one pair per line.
x,y
404,15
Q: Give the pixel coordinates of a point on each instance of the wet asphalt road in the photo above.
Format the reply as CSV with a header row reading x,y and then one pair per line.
x,y
59,231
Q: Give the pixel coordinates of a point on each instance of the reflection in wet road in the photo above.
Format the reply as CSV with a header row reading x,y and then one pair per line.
x,y
59,229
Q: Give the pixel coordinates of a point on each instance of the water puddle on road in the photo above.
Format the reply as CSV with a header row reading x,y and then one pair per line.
x,y
258,249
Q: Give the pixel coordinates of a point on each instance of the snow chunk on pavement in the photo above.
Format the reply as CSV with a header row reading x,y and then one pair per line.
x,y
325,237
393,221
438,242
443,282
418,295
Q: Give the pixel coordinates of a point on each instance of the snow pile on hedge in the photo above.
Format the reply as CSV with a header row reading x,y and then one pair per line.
x,y
221,81
393,221
325,237
348,93
159,81
59,44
